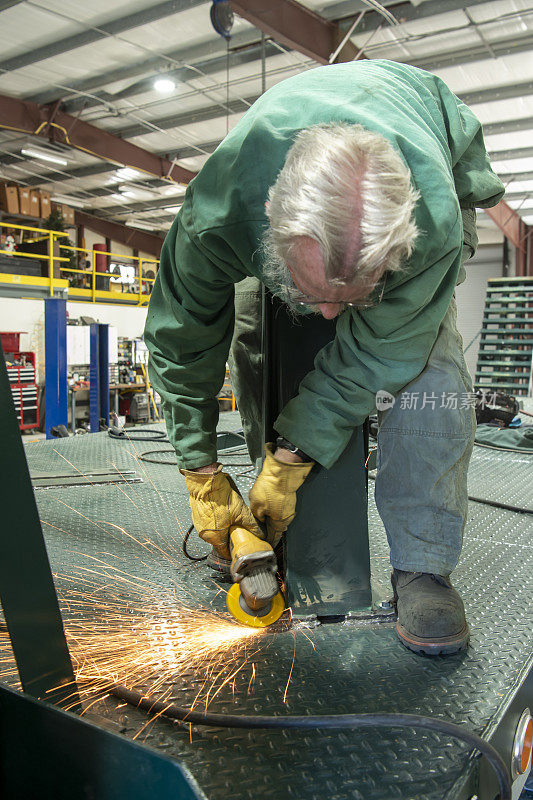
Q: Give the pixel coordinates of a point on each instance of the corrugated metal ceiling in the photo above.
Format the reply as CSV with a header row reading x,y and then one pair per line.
x,y
101,58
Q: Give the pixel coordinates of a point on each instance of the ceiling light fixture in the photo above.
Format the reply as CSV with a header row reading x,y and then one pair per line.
x,y
128,173
136,191
143,226
44,155
69,201
175,188
164,85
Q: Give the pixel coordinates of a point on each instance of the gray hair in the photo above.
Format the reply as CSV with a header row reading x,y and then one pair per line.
x,y
339,178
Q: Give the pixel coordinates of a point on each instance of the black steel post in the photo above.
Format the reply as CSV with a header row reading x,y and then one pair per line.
x,y
327,560
27,591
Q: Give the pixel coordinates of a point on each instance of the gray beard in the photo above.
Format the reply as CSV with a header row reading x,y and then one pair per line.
x,y
276,275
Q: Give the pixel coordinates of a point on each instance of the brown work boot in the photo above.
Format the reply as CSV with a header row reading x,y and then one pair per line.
x,y
431,614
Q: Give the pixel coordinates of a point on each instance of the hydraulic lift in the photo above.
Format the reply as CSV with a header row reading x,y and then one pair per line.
x,y
355,664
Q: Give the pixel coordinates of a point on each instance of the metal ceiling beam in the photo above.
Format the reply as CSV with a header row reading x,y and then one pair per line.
x,y
55,176
508,221
130,237
208,51
296,26
181,75
4,4
468,55
509,126
525,209
202,114
526,196
95,34
516,176
144,205
494,93
345,11
236,106
104,168
57,126
508,155
196,54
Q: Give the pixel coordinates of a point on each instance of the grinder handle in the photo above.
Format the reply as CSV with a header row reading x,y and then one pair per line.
x,y
244,543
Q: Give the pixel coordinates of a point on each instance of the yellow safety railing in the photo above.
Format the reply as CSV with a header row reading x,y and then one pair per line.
x,y
92,292
50,236
93,274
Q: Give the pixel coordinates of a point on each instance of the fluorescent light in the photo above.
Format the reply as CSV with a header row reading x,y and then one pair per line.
x,y
164,85
128,173
175,188
69,201
143,226
137,191
44,155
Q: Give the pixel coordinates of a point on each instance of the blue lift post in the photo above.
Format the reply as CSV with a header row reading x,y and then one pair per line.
x,y
55,348
99,376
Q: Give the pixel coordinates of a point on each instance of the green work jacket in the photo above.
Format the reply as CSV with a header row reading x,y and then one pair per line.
x,y
215,242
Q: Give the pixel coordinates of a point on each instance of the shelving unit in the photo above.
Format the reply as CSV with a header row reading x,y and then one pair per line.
x,y
506,345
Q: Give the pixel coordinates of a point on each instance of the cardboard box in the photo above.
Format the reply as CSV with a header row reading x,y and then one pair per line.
x,y
24,201
46,205
35,202
9,199
68,214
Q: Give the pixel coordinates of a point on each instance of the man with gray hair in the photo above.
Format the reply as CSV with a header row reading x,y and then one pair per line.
x,y
350,191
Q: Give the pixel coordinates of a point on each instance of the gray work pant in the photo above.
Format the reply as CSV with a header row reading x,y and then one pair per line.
x,y
424,442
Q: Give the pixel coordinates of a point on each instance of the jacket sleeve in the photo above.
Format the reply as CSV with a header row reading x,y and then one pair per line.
x,y
475,182
188,332
383,348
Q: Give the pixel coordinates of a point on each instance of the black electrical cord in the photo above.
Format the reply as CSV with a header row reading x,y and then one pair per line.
x,y
505,506
495,503
184,547
522,450
326,721
143,457
120,433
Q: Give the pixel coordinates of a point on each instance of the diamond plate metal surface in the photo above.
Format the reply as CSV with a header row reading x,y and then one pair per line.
x,y
498,475
347,667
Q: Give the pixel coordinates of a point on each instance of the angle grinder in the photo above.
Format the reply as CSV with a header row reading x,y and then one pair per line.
x,y
255,598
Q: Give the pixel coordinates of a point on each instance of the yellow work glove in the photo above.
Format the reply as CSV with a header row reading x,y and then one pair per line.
x,y
273,495
216,506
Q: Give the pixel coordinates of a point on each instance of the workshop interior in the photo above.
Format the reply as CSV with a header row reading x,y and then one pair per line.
x,y
192,604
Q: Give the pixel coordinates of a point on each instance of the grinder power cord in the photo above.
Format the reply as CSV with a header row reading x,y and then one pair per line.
x,y
323,722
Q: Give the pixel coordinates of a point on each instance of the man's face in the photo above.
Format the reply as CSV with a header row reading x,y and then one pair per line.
x,y
307,272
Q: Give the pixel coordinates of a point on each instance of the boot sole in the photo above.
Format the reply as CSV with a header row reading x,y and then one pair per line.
x,y
434,647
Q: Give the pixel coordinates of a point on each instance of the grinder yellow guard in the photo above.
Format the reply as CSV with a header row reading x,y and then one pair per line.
x,y
234,607
254,599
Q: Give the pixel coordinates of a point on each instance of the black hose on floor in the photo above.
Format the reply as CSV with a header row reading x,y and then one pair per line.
x,y
497,504
494,503
122,433
147,453
322,722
